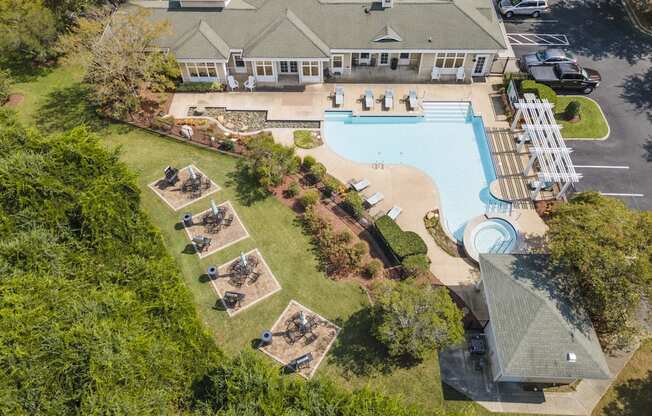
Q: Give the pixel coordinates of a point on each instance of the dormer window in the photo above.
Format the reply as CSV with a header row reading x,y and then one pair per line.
x,y
387,4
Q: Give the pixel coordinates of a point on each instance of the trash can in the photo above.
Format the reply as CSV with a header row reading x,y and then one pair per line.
x,y
266,338
212,272
187,219
393,63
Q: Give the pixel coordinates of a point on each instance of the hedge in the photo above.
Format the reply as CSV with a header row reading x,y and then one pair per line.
x,y
200,87
542,91
401,243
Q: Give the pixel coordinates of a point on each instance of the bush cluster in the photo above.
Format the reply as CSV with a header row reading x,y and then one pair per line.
x,y
353,204
402,243
544,92
200,87
337,255
5,86
309,198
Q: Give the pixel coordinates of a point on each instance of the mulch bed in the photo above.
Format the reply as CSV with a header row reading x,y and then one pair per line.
x,y
254,290
14,100
285,348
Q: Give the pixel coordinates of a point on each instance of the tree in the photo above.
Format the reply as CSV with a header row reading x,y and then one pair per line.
x,y
5,86
27,30
412,321
117,53
353,204
605,250
268,162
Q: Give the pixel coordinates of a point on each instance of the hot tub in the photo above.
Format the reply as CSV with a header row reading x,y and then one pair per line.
x,y
494,235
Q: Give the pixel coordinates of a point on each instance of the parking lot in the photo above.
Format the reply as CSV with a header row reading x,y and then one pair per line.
x,y
602,37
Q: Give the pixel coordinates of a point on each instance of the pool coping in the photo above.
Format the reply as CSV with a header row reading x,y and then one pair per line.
x,y
470,249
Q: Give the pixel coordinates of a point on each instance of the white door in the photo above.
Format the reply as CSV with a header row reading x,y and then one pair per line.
x,y
365,58
239,64
480,65
404,58
337,64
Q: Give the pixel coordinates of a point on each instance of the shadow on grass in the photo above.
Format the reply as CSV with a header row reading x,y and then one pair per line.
x,y
247,189
69,107
357,351
632,398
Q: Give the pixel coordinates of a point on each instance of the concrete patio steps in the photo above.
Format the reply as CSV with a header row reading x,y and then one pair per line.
x,y
451,112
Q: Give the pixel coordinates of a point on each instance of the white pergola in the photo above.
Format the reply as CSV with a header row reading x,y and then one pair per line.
x,y
547,145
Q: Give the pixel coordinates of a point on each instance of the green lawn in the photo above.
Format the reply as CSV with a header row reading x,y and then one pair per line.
x,y
592,124
355,360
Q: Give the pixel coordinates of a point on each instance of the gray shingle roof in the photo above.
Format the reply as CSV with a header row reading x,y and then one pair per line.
x,y
200,40
534,326
420,24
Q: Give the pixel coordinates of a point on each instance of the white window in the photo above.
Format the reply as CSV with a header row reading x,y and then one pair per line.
x,y
404,55
310,68
384,58
264,68
288,67
294,67
284,67
449,60
202,70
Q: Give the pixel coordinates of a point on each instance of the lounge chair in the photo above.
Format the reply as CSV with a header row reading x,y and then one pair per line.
x,y
389,99
435,74
374,199
460,75
394,212
545,186
233,84
339,96
412,100
368,99
250,83
360,185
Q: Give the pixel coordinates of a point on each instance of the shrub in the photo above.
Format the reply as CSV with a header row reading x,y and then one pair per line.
x,y
544,92
308,162
164,123
332,185
5,86
309,198
305,139
200,87
372,269
293,190
572,110
267,162
227,145
353,204
401,243
416,264
317,172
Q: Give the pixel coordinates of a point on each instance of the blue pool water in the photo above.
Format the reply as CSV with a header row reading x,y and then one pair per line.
x,y
452,149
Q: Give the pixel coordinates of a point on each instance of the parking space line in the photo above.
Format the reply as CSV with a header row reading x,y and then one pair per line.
x,y
531,20
618,194
601,167
538,39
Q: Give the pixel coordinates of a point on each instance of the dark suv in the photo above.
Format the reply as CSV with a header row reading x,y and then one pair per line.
x,y
567,76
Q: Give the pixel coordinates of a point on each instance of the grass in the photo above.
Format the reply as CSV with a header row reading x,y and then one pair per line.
x,y
592,124
305,139
631,393
356,359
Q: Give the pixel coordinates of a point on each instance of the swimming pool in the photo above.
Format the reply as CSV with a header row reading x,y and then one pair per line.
x,y
448,143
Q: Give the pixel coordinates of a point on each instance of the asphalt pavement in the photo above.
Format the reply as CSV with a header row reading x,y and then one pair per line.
x,y
603,38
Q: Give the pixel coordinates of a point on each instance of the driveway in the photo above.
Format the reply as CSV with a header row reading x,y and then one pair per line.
x,y
602,37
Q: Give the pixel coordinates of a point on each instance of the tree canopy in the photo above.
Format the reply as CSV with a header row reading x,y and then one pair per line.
x,y
605,249
268,162
412,321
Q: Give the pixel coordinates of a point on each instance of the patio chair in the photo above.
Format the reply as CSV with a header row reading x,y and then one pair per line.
x,y
368,99
300,362
545,186
233,299
460,75
394,212
201,243
250,83
374,199
412,100
360,185
228,220
435,74
389,99
233,84
339,96
171,175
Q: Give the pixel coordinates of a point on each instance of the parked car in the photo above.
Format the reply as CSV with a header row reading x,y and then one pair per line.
x,y
546,57
567,76
534,8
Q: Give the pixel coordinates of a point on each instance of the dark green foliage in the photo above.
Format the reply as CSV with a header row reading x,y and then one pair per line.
x,y
199,87
317,172
27,32
542,91
293,190
605,250
308,162
416,264
5,86
332,186
572,110
412,321
353,204
402,243
268,162
309,198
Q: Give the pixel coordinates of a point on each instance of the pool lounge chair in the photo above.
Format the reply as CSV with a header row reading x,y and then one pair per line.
x,y
394,212
368,99
412,100
374,199
360,185
339,96
233,84
389,99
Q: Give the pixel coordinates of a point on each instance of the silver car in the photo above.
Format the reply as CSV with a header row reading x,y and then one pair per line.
x,y
534,8
547,57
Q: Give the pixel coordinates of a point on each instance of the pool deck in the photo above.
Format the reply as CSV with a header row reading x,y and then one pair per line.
x,y
401,185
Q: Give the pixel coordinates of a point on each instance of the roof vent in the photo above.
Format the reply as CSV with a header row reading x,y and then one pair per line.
x,y
571,357
387,3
